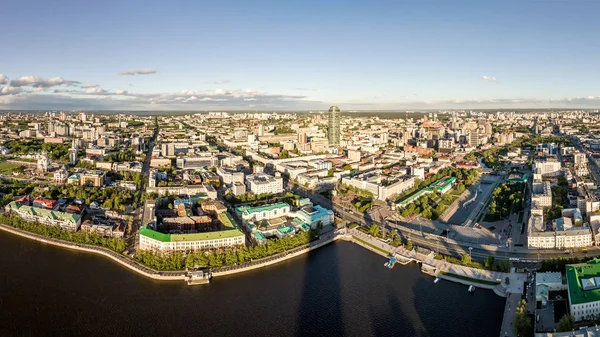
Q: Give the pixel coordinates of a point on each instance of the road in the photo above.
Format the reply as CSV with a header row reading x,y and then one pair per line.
x,y
139,212
146,166
440,244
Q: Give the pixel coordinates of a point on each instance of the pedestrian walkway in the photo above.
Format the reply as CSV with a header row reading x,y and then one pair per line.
x,y
507,330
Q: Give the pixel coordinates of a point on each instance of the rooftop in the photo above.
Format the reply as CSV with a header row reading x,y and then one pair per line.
x,y
56,215
229,233
584,282
266,208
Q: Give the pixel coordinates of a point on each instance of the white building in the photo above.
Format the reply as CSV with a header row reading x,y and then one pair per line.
x,y
267,212
160,242
260,183
583,281
230,177
546,168
562,235
44,216
542,194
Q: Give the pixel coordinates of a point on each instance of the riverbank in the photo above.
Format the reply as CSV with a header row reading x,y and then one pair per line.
x,y
432,267
121,259
171,275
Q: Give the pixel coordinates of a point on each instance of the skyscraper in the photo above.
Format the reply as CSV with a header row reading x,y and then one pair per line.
x,y
333,129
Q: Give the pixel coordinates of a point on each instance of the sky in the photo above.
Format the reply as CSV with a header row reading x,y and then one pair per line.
x,y
299,55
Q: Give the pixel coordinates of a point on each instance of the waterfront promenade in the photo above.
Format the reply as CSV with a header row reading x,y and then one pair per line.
x,y
452,272
119,258
175,275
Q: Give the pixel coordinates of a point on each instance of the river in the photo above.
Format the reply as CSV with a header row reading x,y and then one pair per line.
x,y
338,290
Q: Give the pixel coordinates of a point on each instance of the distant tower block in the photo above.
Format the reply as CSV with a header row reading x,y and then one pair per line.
x,y
333,127
73,153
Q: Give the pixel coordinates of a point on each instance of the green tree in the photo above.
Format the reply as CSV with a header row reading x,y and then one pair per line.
x,y
565,323
347,167
409,245
374,230
489,262
523,325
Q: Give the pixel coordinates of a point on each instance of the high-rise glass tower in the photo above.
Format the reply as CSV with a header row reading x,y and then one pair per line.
x,y
333,127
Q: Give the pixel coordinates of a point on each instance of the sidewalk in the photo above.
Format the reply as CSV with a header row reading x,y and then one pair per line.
x,y
509,315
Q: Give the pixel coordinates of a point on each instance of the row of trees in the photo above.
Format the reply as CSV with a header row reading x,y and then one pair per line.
x,y
109,197
55,232
222,257
506,199
121,156
523,325
560,199
59,152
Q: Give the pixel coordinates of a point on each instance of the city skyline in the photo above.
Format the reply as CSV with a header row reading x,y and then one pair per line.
x,y
299,56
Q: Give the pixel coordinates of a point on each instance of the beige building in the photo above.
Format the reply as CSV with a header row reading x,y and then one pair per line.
x,y
92,178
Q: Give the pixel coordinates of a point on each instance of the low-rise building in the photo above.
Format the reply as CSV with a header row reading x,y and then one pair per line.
x,y
583,281
260,183
542,194
562,235
44,216
151,239
93,178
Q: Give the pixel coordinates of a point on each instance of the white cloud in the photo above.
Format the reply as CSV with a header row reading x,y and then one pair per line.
x,y
10,90
122,92
25,81
220,82
143,71
3,79
489,78
89,86
38,82
96,91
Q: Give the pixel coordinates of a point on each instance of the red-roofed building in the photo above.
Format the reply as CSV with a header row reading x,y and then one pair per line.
x,y
45,203
24,200
468,165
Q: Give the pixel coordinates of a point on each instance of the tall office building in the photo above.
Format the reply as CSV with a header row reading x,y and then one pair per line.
x,y
73,153
333,129
302,138
473,139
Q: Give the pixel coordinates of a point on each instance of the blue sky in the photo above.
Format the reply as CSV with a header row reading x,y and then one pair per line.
x,y
281,55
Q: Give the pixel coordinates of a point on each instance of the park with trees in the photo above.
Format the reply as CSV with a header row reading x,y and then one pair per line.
x,y
506,199
431,206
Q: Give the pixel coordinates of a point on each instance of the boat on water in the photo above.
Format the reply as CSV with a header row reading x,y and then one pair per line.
x,y
437,279
390,264
471,289
198,277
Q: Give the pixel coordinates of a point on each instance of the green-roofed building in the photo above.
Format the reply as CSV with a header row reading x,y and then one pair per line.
x,y
583,281
44,216
267,212
157,241
442,186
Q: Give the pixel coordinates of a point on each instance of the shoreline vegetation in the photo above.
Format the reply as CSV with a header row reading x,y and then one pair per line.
x,y
216,258
179,261
116,245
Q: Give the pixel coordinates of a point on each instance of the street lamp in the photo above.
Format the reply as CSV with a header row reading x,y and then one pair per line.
x,y
470,254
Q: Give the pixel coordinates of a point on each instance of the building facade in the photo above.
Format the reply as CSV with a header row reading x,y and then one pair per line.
x,y
333,126
260,183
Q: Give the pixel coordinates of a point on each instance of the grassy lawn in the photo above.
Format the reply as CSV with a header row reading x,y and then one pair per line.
x,y
493,283
370,245
8,168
